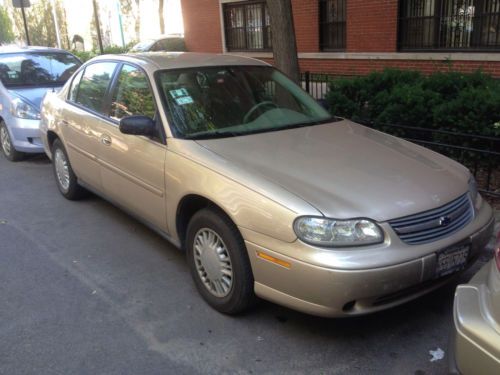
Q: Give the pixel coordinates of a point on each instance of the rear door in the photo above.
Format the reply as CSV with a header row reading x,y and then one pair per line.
x,y
82,117
133,167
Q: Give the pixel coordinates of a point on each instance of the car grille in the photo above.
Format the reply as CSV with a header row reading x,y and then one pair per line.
x,y
434,224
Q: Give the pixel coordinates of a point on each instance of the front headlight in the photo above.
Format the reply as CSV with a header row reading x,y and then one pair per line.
x,y
21,109
335,233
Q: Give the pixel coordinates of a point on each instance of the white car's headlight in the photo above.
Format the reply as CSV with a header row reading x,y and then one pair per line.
x,y
21,109
336,233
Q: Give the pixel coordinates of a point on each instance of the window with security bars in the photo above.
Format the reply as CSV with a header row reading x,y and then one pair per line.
x,y
332,25
449,25
247,26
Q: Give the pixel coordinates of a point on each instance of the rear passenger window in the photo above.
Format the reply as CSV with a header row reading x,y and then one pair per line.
x,y
132,95
93,85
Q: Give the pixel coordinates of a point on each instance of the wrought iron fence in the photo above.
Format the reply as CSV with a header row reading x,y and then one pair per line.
x,y
481,154
318,84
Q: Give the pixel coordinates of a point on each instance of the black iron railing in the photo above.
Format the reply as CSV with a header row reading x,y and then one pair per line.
x,y
318,84
481,154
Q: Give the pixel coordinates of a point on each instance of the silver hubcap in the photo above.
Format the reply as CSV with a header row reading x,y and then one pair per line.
x,y
213,262
5,140
62,169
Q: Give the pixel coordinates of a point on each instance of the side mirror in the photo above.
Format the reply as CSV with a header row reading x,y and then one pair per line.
x,y
138,125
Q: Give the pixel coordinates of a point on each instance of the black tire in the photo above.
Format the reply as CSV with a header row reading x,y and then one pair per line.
x,y
241,294
8,149
72,190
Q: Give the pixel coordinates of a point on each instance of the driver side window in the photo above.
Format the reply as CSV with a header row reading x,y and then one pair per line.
x,y
132,95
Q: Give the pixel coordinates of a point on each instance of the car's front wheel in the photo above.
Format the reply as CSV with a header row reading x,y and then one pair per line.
x,y
6,144
66,180
219,262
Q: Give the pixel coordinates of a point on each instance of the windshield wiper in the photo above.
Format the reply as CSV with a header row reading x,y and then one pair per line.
x,y
213,134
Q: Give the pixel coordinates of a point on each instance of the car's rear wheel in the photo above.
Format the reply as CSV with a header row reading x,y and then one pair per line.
x,y
219,262
6,144
66,180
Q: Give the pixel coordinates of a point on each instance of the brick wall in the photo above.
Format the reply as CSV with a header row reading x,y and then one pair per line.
x,y
371,26
306,22
362,67
202,25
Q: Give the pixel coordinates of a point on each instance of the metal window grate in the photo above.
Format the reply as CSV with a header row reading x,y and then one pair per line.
x,y
247,26
449,25
435,224
332,23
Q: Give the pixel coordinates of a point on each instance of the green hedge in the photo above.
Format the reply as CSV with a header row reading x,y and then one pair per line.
x,y
87,55
458,102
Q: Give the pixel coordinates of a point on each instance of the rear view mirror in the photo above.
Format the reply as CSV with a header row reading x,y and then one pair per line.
x,y
138,125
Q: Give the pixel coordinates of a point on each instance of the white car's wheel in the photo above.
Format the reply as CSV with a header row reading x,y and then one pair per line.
x,y
6,144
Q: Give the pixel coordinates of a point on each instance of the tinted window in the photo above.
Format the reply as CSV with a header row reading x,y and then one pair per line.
x,y
132,95
94,84
74,86
37,69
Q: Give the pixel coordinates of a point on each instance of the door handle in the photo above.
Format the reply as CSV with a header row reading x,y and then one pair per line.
x,y
106,140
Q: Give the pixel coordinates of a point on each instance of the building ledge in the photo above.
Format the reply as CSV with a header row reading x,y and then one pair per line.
x,y
436,56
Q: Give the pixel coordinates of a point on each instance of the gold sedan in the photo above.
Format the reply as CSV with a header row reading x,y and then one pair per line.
x,y
267,192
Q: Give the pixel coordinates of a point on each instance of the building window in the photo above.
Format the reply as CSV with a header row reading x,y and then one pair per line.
x,y
449,25
332,25
247,26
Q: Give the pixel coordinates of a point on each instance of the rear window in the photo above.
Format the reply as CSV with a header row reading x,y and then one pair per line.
x,y
37,69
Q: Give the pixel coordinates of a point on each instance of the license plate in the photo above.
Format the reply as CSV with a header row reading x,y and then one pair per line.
x,y
452,259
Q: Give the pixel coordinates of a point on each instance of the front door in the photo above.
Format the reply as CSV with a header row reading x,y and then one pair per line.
x,y
133,167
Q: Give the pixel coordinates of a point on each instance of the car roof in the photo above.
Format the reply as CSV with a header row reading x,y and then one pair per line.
x,y
27,49
153,61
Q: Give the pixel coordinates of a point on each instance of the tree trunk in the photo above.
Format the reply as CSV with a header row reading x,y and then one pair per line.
x,y
283,38
160,13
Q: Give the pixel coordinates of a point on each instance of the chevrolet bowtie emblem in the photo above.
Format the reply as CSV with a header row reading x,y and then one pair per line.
x,y
444,221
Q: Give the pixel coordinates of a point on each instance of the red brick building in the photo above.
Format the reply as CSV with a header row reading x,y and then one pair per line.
x,y
351,37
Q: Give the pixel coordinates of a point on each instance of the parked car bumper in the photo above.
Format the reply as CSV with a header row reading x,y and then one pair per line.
x,y
342,291
25,135
475,341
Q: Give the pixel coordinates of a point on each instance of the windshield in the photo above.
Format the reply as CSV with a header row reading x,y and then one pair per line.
x,y
210,102
36,69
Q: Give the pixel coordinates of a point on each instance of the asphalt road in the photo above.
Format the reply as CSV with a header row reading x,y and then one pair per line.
x,y
85,289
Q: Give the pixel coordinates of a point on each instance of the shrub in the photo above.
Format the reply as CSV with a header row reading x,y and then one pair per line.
x,y
87,55
453,101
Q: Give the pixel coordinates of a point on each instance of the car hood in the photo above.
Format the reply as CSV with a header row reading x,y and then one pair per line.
x,y
32,95
346,170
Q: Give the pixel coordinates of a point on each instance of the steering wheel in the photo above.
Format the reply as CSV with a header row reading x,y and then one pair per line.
x,y
257,106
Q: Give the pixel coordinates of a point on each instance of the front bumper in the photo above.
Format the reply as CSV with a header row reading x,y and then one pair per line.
x,y
25,135
333,283
475,340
